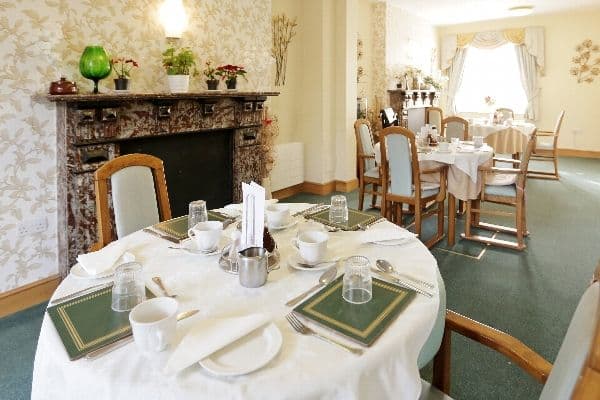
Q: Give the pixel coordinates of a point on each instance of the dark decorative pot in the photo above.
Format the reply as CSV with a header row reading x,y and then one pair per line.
x,y
231,83
121,84
212,84
63,87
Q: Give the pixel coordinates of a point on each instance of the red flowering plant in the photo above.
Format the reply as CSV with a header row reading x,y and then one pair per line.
x,y
230,72
123,66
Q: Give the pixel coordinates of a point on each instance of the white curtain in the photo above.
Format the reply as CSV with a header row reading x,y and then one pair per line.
x,y
455,74
527,70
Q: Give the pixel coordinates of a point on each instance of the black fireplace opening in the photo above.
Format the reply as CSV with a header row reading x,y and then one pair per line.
x,y
198,166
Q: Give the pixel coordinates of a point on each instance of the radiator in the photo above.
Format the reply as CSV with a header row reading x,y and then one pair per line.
x,y
289,165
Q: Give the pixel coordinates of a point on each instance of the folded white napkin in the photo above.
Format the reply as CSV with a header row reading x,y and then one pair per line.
x,y
384,231
210,335
97,262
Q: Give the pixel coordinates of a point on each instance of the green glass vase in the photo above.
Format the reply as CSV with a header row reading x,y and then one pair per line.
x,y
94,64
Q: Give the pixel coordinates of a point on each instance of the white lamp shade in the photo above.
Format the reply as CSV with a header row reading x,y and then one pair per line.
x,y
173,18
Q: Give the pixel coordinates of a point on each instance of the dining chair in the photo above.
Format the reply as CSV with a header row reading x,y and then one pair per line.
x,y
505,114
576,370
138,193
547,151
434,116
455,127
501,186
368,170
402,182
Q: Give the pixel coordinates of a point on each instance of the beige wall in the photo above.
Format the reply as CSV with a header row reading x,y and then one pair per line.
x,y
559,90
43,40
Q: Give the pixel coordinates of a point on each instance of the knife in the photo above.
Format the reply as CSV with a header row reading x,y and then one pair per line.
x,y
92,355
160,235
80,292
403,283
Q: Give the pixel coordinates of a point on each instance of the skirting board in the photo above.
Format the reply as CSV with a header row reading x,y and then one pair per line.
x,y
29,295
578,153
316,188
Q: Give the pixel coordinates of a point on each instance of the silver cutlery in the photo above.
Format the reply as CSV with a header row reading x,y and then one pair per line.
x,y
160,235
92,355
327,276
307,265
305,330
386,266
197,252
405,284
78,293
162,287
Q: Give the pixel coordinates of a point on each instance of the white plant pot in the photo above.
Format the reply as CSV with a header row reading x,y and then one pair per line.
x,y
179,83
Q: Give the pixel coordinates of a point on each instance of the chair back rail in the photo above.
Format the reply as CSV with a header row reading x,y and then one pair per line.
x,y
455,127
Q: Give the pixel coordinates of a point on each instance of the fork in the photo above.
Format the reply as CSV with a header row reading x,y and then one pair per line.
x,y
305,330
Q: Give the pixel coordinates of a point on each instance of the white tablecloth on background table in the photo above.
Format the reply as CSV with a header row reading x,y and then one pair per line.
x,y
507,139
305,367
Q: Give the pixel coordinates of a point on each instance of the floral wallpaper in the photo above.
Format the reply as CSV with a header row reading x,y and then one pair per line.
x,y
42,40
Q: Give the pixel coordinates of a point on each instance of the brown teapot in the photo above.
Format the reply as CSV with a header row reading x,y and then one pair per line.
x,y
63,86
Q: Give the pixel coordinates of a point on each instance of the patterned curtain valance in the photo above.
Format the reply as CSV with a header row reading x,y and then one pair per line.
x,y
531,37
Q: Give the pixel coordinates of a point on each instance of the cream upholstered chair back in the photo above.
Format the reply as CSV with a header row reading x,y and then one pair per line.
x,y
434,117
364,142
138,192
397,146
505,114
455,127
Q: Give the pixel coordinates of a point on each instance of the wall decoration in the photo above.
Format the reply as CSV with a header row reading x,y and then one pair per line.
x,y
586,62
284,29
360,70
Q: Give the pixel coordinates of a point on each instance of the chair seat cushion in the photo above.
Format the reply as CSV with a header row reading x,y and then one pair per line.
x,y
430,392
544,146
427,189
497,190
373,173
500,179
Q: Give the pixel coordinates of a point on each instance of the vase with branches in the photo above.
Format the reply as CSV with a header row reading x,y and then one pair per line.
x,y
284,29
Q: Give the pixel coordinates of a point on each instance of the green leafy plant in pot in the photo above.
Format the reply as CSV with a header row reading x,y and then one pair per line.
x,y
179,64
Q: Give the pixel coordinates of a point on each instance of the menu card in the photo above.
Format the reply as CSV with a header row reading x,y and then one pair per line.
x,y
362,323
253,215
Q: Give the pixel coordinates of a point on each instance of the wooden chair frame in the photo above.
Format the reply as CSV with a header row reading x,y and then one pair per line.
x,y
101,178
437,109
455,118
519,202
587,386
391,205
505,110
550,155
363,180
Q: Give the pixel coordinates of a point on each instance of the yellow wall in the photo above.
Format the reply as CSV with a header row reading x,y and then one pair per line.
x,y
559,90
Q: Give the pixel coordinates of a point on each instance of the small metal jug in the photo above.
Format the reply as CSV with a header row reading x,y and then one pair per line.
x,y
253,267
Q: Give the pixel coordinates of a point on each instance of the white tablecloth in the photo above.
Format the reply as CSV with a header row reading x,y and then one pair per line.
x,y
305,368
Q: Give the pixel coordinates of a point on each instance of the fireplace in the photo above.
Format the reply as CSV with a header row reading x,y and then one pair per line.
x,y
209,143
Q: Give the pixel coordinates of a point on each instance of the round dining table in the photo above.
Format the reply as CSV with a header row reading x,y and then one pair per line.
x,y
504,138
304,367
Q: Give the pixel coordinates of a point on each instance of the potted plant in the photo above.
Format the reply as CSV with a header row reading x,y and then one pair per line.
x,y
432,83
178,63
229,74
122,67
210,72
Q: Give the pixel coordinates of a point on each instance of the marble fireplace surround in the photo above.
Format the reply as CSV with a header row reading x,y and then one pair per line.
x,y
90,128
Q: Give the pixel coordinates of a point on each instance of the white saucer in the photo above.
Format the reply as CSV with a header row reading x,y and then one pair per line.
x,y
288,225
294,259
246,354
191,247
78,272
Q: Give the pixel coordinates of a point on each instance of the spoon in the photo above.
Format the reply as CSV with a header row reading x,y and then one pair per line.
x,y
324,279
162,287
307,265
386,266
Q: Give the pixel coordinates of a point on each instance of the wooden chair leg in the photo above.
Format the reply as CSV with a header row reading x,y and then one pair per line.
x,y
441,364
440,219
418,219
476,205
401,215
469,220
519,222
361,193
374,196
555,160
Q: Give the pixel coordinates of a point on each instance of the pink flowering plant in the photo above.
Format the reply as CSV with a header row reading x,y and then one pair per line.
x,y
230,72
123,66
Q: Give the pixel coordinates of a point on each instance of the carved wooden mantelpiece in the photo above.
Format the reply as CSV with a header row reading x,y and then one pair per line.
x,y
90,128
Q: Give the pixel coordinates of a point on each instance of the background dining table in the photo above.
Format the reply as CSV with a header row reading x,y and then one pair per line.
x,y
504,138
304,368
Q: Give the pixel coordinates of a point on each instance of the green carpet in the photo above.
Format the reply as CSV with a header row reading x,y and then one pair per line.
x,y
530,294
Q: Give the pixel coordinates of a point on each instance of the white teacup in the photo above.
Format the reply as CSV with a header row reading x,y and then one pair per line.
x,y
312,246
277,215
443,146
477,141
154,324
206,234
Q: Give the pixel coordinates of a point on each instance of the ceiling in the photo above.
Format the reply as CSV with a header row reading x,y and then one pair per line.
x,y
448,12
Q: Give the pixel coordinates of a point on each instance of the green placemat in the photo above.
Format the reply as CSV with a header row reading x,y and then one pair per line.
x,y
177,228
363,323
355,218
88,323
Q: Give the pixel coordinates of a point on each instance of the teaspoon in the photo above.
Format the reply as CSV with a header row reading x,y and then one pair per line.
x,y
386,266
327,276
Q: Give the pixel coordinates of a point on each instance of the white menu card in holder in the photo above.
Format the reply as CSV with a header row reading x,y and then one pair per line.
x,y
253,215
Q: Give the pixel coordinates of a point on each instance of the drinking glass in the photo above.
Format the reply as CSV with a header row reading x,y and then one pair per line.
x,y
357,284
338,211
128,290
197,213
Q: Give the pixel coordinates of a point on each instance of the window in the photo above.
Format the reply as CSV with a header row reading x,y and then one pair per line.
x,y
491,72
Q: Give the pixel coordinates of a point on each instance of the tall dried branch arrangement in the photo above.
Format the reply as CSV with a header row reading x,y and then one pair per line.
x,y
374,115
586,67
268,132
284,29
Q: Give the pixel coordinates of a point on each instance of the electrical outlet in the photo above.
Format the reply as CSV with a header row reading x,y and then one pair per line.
x,y
31,226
